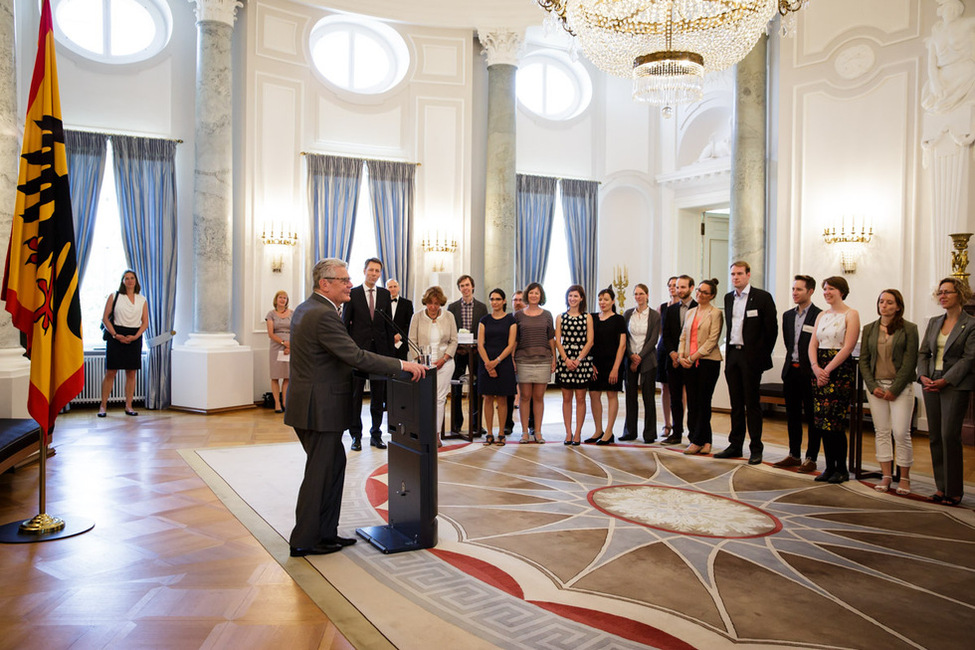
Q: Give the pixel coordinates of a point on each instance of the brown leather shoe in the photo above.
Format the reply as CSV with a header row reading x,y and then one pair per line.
x,y
788,461
808,465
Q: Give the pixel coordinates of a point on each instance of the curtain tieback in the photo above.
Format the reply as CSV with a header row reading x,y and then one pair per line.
x,y
162,338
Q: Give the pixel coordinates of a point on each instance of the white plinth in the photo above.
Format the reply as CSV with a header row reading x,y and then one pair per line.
x,y
212,372
14,383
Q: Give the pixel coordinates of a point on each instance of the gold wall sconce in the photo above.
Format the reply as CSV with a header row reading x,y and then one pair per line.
x,y
280,240
851,239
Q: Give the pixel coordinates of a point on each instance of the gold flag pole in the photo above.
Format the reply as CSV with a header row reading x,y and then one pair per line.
x,y
43,523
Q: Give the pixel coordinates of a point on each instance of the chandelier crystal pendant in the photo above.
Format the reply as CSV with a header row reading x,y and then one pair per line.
x,y
665,46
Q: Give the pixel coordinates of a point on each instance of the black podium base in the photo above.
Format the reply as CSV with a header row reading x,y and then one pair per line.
x,y
388,540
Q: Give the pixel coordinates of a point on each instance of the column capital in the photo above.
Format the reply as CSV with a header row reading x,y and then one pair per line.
x,y
223,11
501,45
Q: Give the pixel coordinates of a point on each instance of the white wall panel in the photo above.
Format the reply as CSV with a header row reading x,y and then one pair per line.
x,y
280,34
442,60
368,129
825,21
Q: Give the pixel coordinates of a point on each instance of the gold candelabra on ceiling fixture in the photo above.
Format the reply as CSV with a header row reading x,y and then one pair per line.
x,y
666,46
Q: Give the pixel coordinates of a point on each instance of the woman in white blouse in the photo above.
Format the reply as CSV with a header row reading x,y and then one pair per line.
x,y
434,332
125,318
834,371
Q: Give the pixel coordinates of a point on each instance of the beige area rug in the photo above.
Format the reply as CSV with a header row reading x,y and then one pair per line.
x,y
546,546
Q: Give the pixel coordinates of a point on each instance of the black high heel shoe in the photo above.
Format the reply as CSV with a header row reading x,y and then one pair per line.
x,y
595,438
611,441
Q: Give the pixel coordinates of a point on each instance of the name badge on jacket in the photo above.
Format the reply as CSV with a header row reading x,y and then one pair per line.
x,y
751,313
811,329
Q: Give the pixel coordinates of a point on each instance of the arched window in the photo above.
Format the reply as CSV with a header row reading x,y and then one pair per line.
x,y
552,86
113,31
359,55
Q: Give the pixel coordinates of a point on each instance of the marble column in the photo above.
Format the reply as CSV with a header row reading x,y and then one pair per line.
x,y
501,50
211,371
746,225
14,368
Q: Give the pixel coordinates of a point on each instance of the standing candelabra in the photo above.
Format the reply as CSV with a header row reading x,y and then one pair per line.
x,y
959,256
621,280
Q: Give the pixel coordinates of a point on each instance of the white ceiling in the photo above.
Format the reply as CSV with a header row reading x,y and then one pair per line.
x,y
514,14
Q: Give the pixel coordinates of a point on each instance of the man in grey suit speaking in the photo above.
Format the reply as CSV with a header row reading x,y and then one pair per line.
x,y
323,356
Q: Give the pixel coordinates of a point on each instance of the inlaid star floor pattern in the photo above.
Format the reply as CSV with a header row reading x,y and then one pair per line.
x,y
742,552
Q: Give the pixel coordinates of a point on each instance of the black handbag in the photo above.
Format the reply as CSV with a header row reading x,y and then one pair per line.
x,y
106,335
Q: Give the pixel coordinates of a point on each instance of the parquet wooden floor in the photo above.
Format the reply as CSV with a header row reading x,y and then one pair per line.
x,y
167,565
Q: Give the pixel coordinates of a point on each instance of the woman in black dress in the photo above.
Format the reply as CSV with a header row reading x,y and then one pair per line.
x,y
573,340
497,336
608,350
126,317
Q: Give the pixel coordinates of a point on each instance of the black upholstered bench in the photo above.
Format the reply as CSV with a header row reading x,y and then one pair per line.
x,y
771,394
19,439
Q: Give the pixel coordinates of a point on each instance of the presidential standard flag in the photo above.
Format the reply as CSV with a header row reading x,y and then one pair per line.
x,y
40,283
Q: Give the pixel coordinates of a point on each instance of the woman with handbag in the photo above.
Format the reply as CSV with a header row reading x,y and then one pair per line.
x,y
125,318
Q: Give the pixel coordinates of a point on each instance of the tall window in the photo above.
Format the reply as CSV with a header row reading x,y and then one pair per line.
x,y
558,277
364,237
106,262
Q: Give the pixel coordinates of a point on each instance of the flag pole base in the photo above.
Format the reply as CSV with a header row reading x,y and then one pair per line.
x,y
42,524
43,528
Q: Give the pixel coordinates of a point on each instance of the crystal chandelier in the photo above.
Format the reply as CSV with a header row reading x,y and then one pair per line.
x,y
666,46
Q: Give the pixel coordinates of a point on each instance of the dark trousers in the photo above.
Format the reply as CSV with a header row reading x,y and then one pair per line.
x,y
509,424
320,495
675,380
457,394
700,381
377,398
743,383
797,386
642,384
946,413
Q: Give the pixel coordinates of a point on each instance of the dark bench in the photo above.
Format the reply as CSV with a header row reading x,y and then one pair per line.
x,y
20,438
772,393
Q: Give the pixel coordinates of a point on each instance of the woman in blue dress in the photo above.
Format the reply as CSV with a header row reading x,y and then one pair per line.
x,y
497,336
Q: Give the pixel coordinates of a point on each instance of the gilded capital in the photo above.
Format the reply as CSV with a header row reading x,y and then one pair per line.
x,y
501,45
222,11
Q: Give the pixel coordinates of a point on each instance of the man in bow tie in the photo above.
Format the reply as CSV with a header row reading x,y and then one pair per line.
x,y
402,315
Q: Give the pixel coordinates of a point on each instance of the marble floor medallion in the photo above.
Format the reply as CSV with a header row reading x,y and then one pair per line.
x,y
684,511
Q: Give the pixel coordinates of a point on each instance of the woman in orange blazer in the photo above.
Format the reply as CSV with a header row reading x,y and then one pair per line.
x,y
700,357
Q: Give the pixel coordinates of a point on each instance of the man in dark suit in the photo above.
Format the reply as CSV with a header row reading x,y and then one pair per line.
x,y
371,332
323,356
751,332
402,315
797,327
641,372
468,312
672,326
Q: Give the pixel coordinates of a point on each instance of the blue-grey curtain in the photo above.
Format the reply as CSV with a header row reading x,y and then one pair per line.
x,y
86,169
535,210
580,205
391,191
145,181
333,194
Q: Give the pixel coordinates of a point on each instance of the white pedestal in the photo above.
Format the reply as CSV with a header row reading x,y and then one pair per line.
x,y
14,383
211,373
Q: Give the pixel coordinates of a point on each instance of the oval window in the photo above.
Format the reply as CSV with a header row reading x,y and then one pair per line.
x,y
358,54
113,31
552,86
